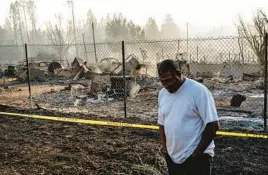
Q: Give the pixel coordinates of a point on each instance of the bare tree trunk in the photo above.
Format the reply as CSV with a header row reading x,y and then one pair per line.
x,y
31,12
255,38
34,30
21,34
25,20
56,36
15,28
15,35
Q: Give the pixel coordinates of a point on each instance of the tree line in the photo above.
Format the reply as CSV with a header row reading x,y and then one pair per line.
x,y
21,27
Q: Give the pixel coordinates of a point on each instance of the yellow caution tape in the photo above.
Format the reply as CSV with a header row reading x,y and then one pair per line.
x,y
236,134
75,120
118,124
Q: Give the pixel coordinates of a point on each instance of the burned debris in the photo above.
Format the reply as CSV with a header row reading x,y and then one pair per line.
x,y
102,82
237,100
53,67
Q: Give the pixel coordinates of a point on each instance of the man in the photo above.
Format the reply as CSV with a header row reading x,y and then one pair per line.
x,y
188,122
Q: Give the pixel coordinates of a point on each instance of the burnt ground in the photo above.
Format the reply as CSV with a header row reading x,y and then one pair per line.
x,y
30,146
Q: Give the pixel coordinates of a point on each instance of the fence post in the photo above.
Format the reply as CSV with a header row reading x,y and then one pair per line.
x,y
190,58
178,43
94,42
83,35
197,53
265,83
124,78
28,75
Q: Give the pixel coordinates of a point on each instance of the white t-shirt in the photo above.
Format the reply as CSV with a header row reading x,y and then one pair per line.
x,y
184,115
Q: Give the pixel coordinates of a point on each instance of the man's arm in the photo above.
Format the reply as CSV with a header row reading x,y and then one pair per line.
x,y
207,137
163,138
206,108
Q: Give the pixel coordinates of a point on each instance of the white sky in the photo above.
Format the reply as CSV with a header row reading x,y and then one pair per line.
x,y
202,15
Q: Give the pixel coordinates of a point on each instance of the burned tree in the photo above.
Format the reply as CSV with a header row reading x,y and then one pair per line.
x,y
15,18
62,40
22,5
254,35
31,12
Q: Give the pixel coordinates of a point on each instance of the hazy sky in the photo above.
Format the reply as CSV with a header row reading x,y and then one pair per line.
x,y
202,15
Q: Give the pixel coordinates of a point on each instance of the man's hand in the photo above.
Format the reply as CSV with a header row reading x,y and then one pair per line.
x,y
195,154
164,149
208,135
163,139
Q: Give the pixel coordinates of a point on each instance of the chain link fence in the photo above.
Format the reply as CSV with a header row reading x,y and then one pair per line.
x,y
95,81
227,66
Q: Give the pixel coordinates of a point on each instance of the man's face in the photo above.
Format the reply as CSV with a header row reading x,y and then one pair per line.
x,y
170,81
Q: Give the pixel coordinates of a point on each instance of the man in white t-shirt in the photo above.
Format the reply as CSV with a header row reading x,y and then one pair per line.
x,y
188,122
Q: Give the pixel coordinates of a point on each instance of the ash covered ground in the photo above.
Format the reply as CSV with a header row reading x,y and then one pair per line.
x,y
32,146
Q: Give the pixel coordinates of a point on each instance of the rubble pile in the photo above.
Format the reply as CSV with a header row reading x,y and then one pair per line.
x,y
241,123
104,83
99,88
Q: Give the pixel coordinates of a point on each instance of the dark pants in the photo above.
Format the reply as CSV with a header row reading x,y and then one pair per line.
x,y
200,165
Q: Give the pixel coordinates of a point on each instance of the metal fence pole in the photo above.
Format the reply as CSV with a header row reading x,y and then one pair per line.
x,y
124,78
83,35
178,46
28,75
197,53
265,83
94,42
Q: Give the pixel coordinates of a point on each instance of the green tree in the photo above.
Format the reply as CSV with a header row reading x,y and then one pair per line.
x,y
116,29
14,21
134,31
91,18
8,36
151,30
101,29
169,28
3,36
